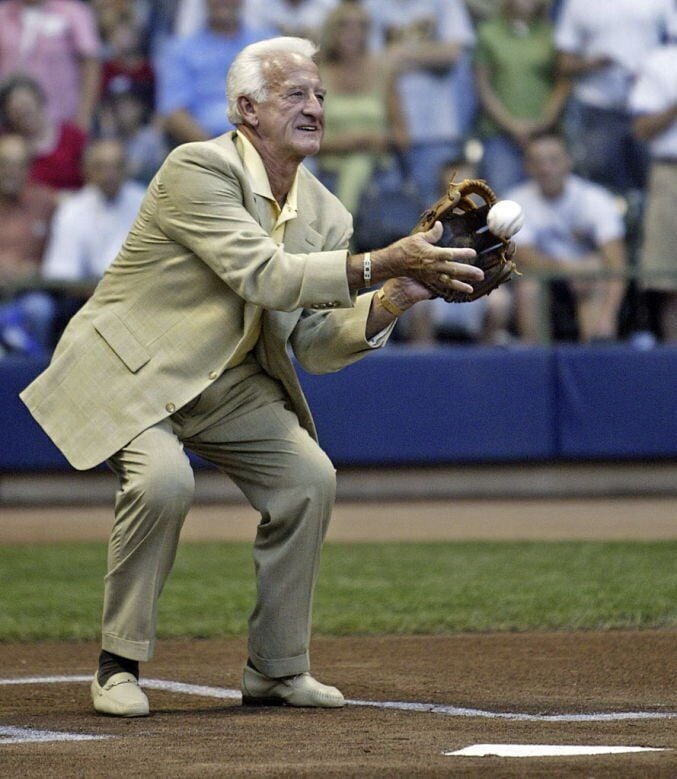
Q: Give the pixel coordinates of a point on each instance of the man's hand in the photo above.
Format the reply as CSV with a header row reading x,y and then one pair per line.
x,y
405,292
402,293
417,258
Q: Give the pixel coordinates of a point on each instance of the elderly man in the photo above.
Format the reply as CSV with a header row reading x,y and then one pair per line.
x,y
236,253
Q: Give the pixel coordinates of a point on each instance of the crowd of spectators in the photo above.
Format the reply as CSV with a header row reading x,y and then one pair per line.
x,y
568,107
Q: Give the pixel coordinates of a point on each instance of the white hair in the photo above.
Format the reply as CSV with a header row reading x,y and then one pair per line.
x,y
245,76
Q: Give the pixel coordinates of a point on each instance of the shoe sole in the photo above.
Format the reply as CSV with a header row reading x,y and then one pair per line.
x,y
247,700
119,714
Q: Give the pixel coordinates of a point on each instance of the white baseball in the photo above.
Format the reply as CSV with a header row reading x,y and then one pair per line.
x,y
505,218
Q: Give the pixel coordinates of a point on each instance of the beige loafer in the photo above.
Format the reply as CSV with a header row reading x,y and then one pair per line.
x,y
301,690
120,696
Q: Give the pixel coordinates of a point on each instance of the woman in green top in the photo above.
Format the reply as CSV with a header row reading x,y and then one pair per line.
x,y
362,115
520,93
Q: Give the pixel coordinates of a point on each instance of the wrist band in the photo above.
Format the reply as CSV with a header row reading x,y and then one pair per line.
x,y
388,304
366,268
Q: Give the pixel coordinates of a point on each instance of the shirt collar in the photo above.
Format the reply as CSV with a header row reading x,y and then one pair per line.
x,y
259,178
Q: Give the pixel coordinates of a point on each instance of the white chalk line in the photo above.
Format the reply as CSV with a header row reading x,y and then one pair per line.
x,y
11,735
431,708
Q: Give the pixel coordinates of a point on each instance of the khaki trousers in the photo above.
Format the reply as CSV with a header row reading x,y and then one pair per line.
x,y
241,424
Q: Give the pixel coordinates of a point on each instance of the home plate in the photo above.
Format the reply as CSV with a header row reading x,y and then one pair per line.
x,y
542,750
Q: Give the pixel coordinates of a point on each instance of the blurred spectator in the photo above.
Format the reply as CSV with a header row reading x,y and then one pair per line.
x,y
56,42
190,16
55,148
519,92
484,321
602,45
91,225
191,95
126,117
425,40
303,18
574,226
481,10
159,26
360,108
654,103
25,213
110,13
126,67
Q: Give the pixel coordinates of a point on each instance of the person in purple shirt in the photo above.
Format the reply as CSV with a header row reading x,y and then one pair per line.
x,y
191,96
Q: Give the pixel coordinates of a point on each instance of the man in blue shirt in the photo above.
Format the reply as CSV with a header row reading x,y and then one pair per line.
x,y
191,96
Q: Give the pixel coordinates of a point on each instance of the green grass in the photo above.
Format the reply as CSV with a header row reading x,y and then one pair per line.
x,y
54,592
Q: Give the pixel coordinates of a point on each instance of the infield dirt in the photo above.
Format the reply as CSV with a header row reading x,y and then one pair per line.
x,y
535,673
532,673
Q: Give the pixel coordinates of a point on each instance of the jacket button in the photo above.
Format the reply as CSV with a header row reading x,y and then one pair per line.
x,y
213,375
170,407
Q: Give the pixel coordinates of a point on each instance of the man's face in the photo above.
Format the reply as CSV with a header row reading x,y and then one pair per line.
x,y
105,167
24,110
549,164
13,166
290,122
224,14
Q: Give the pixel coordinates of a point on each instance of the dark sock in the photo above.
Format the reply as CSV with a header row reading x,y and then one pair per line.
x,y
251,665
110,664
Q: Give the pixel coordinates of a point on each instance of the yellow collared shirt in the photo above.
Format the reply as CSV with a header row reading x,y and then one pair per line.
x,y
260,184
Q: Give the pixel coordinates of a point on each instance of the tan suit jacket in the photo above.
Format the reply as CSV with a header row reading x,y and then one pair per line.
x,y
169,313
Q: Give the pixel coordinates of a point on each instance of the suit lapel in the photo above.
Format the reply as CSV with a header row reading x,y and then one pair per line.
x,y
261,212
300,235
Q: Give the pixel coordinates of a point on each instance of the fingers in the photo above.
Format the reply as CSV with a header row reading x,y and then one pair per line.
x,y
456,284
434,234
459,270
454,276
458,277
449,254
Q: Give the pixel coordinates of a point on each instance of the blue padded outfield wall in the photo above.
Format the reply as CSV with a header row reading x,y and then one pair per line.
x,y
452,405
437,406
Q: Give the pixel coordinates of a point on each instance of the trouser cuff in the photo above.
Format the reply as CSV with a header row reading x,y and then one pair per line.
x,y
281,666
134,650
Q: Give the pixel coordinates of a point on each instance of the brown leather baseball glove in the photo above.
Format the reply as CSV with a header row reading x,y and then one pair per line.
x,y
463,214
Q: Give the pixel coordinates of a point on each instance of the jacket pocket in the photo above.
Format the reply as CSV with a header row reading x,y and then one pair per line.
x,y
121,340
